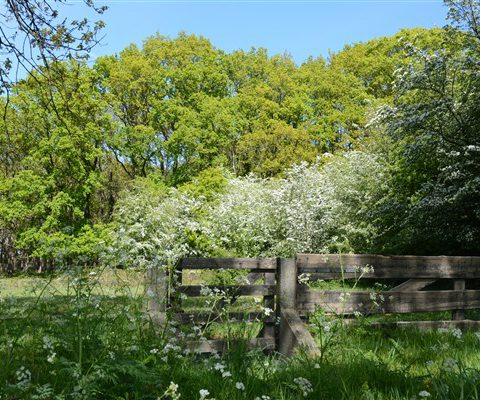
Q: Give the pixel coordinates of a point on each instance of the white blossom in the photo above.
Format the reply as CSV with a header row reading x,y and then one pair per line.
x,y
304,385
424,393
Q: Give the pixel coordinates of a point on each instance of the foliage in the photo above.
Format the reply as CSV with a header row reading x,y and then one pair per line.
x,y
391,125
34,34
207,184
434,122
182,106
154,230
312,209
176,111
356,186
83,336
376,61
51,181
245,219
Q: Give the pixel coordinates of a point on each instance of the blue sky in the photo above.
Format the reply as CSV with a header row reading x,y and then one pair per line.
x,y
301,28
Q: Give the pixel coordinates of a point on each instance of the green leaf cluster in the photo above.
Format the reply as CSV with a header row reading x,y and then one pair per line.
x,y
81,144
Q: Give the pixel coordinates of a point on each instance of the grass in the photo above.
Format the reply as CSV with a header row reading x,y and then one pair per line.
x,y
85,337
417,360
104,281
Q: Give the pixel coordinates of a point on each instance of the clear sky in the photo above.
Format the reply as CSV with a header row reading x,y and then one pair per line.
x,y
301,28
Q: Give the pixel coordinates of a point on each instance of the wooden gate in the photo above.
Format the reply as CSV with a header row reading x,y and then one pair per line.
x,y
292,301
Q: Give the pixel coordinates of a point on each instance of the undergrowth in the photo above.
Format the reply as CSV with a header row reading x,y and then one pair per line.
x,y
88,338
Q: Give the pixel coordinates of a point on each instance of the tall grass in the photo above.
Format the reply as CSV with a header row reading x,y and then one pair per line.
x,y
85,336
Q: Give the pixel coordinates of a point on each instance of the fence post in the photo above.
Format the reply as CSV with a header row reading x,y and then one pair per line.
x,y
175,302
286,299
269,302
156,289
458,315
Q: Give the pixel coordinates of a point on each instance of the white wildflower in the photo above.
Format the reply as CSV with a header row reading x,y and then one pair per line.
x,y
267,311
303,278
357,314
219,367
171,392
240,386
457,333
450,364
47,343
367,269
51,358
304,385
23,375
205,291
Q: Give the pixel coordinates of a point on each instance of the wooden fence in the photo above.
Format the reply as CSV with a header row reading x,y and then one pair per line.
x,y
292,301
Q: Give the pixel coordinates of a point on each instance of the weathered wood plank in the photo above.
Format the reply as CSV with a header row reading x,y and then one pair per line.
x,y
268,331
252,277
287,283
251,290
175,303
412,285
221,346
156,283
286,299
215,316
329,266
295,335
425,325
387,302
458,284
257,264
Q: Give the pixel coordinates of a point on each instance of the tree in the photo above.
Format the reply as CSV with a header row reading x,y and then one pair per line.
x,y
33,35
269,151
434,123
51,186
164,97
336,106
463,16
375,61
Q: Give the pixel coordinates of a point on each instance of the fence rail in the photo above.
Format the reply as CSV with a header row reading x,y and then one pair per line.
x,y
290,300
332,266
387,302
260,264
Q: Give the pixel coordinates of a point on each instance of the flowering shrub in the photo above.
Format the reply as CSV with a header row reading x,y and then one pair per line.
x,y
244,220
312,209
154,228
